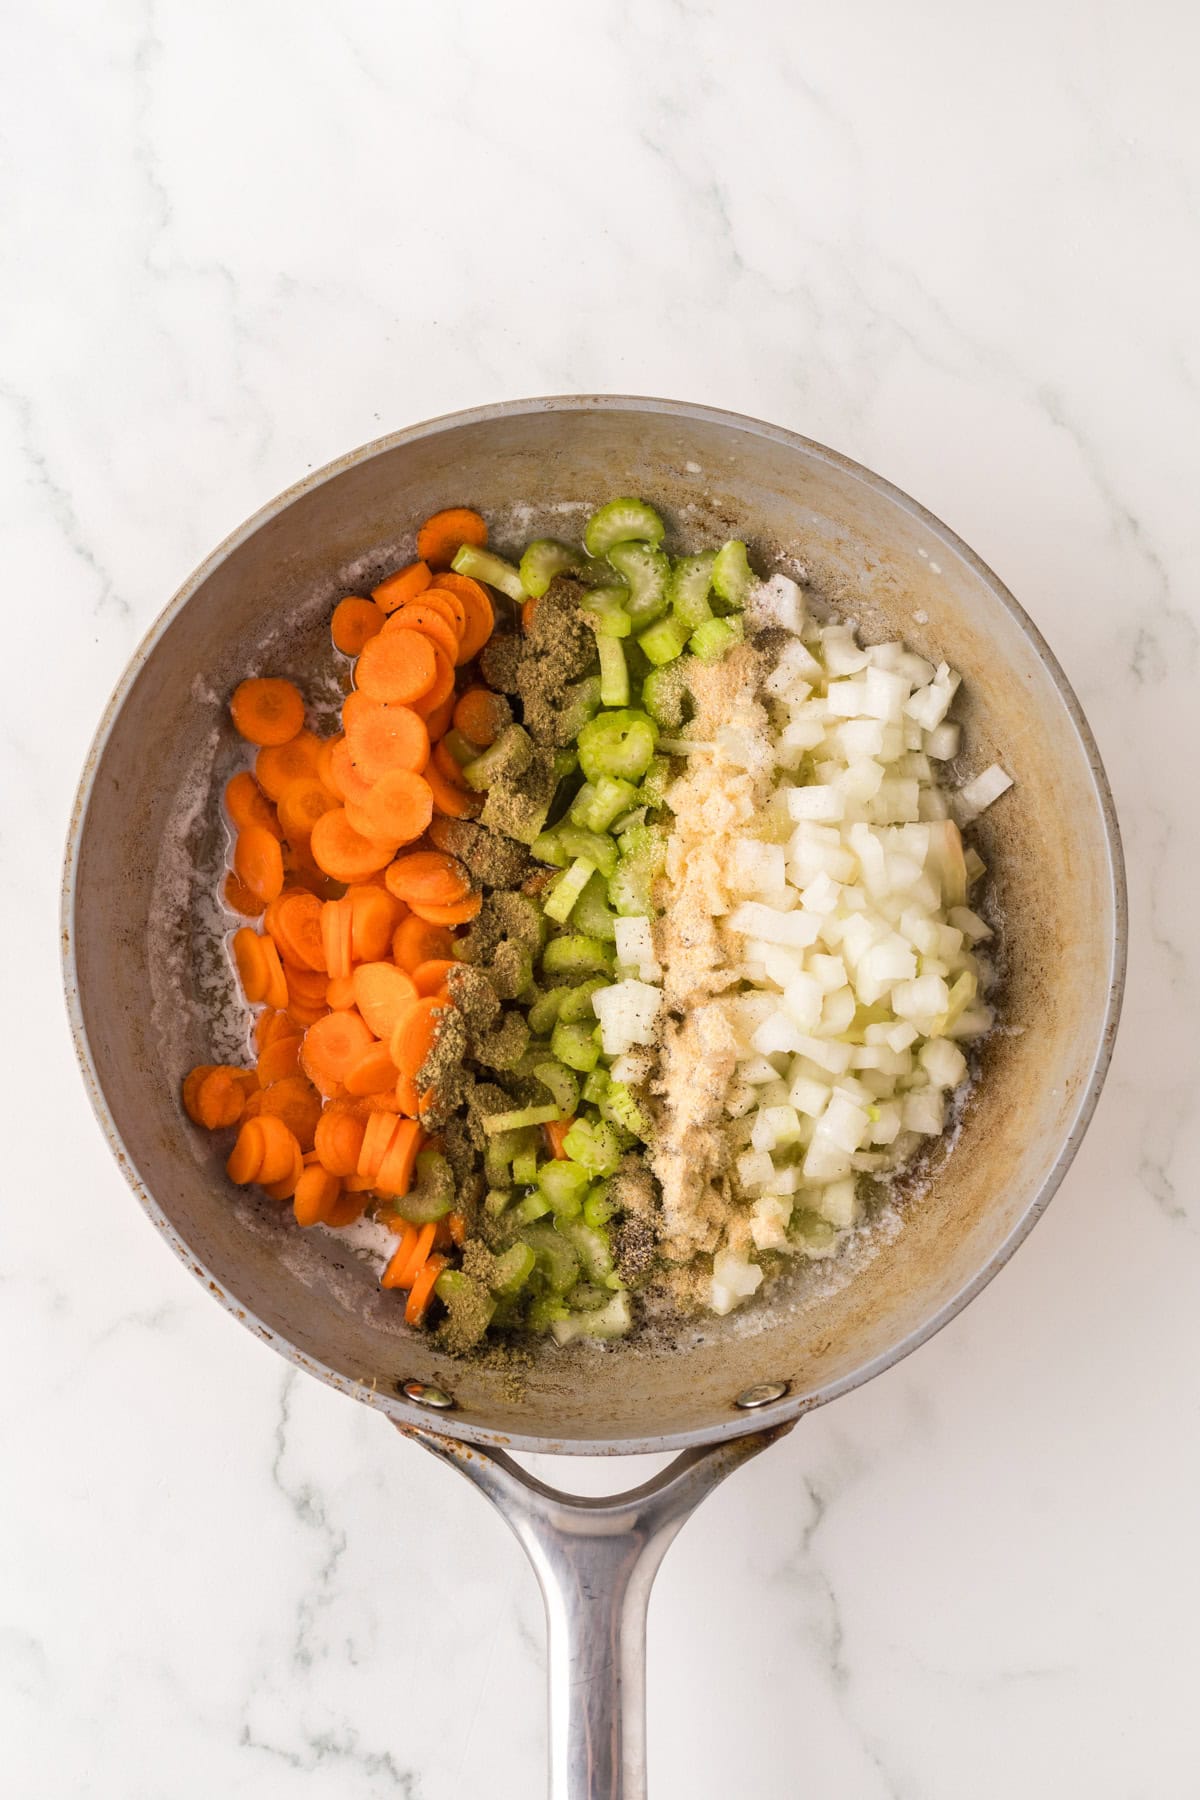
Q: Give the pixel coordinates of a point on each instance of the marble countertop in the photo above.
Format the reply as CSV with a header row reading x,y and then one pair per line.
x,y
960,246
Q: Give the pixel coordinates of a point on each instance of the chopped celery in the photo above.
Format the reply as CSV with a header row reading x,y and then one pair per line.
x,y
513,1269
431,1195
580,702
543,560
665,692
598,1209
620,744
593,915
591,1246
548,848
515,1121
511,754
469,1304
557,1258
562,1086
655,782
664,641
691,579
483,566
524,1168
575,954
620,1108
596,846
512,969
594,1144
565,763
732,577
614,672
635,816
567,889
577,1005
596,1086
710,642
585,1298
564,1185
598,803
534,1206
648,572
496,1200
605,607
543,1014
629,889
613,1322
618,522
545,1314
575,1046
461,748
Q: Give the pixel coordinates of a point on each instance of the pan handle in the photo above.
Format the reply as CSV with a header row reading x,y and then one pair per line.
x,y
595,1560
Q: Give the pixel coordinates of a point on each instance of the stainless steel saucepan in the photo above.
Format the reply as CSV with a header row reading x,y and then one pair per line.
x,y
137,921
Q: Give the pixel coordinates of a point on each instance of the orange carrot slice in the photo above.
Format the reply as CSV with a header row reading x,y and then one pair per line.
x,y
252,967
277,765
429,977
371,1072
267,711
377,1137
404,585
399,808
449,799
343,852
396,1170
442,689
415,942
355,622
398,666
316,1194
429,876
480,616
294,921
383,994
481,715
332,1046
414,1034
297,1103
246,1157
381,739
421,1292
280,1149
338,1141
258,861
443,536
375,913
431,623
301,805
246,803
461,913
239,899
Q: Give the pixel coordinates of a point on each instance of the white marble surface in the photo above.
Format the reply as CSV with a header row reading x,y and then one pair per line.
x,y
960,244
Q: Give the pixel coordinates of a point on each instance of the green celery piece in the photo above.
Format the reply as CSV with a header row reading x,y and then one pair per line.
x,y
594,1144
468,1302
561,899
619,744
561,1180
712,641
691,579
598,1208
620,1108
511,754
605,609
431,1195
618,522
566,1202
482,565
524,1168
513,1269
517,1120
629,889
557,1258
614,1321
575,1046
562,1085
596,1086
580,702
598,803
635,816
732,577
596,846
534,1206
545,558
574,954
496,1200
665,693
592,1247
577,1008
593,915
546,1313
614,672
461,748
647,571
548,848
543,1014
663,642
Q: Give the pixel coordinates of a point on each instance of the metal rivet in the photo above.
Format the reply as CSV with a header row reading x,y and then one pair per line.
x,y
422,1395
761,1395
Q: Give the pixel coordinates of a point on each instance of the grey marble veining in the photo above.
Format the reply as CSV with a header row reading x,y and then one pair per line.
x,y
961,246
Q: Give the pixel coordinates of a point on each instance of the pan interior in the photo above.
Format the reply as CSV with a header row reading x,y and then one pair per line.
x,y
141,922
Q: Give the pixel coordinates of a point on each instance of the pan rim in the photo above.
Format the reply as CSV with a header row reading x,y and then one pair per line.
x,y
737,1423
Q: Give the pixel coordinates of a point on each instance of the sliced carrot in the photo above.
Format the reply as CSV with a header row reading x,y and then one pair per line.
x,y
355,622
396,1170
430,876
461,913
253,969
398,666
324,772
400,1258
191,1090
414,1035
418,1255
380,739
556,1132
399,809
269,1027
442,689
279,1059
381,1127
316,1193
445,764
277,765
294,921
348,1207
301,805
339,995
280,1149
284,1188
456,1224
277,988
528,609
438,721
421,1292
479,614
246,1157
349,782
430,977
246,803
372,1072
404,585
239,899
308,986
375,914
443,536
383,993
341,851
447,605
431,623
449,799
337,922
258,861
415,942
267,711
338,1140
220,1098
297,1103
302,1014
481,715
332,1046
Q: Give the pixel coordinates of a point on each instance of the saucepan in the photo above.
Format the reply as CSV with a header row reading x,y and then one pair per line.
x,y
138,922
